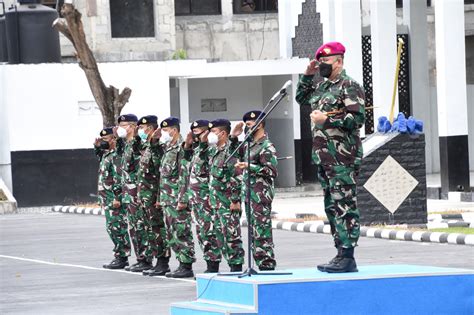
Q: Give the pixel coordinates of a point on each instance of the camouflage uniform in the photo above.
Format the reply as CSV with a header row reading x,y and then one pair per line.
x,y
148,195
197,188
110,189
337,150
173,172
136,215
224,188
263,171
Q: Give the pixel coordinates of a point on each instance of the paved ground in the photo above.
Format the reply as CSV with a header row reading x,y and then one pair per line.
x,y
51,264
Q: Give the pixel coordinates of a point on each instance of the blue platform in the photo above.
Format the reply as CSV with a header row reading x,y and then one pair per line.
x,y
387,289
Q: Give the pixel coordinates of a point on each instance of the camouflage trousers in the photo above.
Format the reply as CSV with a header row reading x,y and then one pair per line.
x,y
156,230
263,246
340,203
116,225
180,236
137,225
229,233
206,228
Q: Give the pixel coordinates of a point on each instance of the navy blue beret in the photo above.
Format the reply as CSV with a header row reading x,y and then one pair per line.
x,y
149,119
221,122
106,131
200,123
253,115
127,118
169,122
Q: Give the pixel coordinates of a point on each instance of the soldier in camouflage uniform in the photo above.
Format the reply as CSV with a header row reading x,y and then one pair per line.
x,y
109,192
224,187
173,172
197,188
148,180
263,171
130,145
338,114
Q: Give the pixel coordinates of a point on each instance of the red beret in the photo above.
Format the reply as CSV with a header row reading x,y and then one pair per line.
x,y
330,49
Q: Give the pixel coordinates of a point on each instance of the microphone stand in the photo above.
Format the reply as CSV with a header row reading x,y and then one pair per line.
x,y
250,271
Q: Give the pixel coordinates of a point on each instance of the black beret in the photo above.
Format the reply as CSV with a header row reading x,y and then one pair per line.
x,y
221,122
149,119
253,115
200,123
127,118
106,131
169,122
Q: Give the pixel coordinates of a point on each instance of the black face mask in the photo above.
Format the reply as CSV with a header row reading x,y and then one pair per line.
x,y
196,137
104,145
325,69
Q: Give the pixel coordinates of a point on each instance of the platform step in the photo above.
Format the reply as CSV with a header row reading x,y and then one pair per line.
x,y
200,308
386,289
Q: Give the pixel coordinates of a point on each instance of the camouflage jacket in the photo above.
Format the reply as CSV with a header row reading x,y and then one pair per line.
x,y
173,171
148,176
224,183
263,170
337,141
195,174
130,158
109,181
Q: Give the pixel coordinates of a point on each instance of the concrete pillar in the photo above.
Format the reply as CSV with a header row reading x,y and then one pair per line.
x,y
327,10
451,95
5,159
287,21
184,106
348,31
414,17
383,27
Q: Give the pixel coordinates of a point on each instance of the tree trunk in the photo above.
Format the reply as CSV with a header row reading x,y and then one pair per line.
x,y
109,100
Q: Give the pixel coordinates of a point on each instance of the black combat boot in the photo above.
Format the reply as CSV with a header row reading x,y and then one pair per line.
x,y
142,266
130,267
333,261
266,268
161,268
236,268
183,271
117,263
345,264
212,267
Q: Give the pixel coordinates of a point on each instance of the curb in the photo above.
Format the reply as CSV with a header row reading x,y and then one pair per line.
x,y
320,227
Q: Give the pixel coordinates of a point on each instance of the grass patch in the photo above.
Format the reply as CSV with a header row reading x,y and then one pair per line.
x,y
461,230
449,212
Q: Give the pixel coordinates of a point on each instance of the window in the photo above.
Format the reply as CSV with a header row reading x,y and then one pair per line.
x,y
255,6
213,105
132,18
197,7
468,1
399,3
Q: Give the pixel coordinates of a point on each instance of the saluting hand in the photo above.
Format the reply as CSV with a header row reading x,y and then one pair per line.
x,y
312,67
156,135
97,142
238,129
189,140
203,136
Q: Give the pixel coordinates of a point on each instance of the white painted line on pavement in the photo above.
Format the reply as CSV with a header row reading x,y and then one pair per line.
x,y
88,268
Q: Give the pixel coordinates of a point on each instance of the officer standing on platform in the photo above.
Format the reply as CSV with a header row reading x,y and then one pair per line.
x,y
338,113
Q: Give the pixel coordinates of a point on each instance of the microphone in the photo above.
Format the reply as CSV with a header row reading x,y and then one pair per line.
x,y
282,90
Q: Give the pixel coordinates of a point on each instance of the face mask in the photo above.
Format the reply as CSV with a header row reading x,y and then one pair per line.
x,y
325,70
246,129
165,136
196,137
142,134
121,132
104,145
212,138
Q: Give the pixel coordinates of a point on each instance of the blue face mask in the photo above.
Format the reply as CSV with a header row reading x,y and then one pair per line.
x,y
143,135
